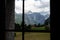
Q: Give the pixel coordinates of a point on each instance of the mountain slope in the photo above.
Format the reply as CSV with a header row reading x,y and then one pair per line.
x,y
34,18
31,18
47,21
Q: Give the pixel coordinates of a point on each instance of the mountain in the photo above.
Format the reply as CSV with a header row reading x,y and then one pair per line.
x,y
47,21
31,18
47,16
18,18
34,18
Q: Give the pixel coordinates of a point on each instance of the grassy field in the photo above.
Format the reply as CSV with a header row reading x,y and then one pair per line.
x,y
18,36
33,36
39,28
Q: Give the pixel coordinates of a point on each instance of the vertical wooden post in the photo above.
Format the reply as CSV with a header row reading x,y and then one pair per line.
x,y
10,7
9,35
9,20
2,19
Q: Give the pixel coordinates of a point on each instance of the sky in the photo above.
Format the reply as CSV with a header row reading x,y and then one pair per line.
x,y
33,6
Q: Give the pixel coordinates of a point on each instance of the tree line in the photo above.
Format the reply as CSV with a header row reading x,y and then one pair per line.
x,y
26,27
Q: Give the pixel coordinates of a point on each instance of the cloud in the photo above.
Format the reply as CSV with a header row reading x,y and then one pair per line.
x,y
36,5
33,5
42,5
18,6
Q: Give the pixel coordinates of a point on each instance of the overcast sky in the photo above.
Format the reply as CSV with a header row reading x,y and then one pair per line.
x,y
33,5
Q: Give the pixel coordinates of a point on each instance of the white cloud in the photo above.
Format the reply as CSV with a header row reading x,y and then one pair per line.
x,y
33,5
18,6
36,6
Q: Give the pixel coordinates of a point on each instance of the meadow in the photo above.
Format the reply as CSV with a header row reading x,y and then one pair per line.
x,y
33,36
38,28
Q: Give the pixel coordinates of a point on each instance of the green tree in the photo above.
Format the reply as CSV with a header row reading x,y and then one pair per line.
x,y
38,25
35,25
17,26
29,27
42,25
47,28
